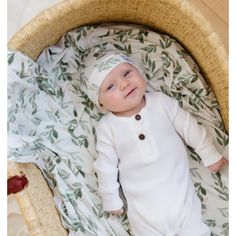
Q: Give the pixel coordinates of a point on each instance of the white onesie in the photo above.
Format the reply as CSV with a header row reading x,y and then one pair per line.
x,y
150,156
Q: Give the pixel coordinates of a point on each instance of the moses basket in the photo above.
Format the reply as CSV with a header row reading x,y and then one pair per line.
x,y
177,18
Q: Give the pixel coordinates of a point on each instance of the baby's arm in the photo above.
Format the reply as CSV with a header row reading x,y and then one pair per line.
x,y
106,167
195,135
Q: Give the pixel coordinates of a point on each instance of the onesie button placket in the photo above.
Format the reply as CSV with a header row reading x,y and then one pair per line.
x,y
142,135
138,118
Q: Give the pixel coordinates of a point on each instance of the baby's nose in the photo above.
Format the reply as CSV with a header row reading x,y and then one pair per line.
x,y
123,84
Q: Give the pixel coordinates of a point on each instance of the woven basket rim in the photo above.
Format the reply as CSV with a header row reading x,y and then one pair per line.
x,y
54,10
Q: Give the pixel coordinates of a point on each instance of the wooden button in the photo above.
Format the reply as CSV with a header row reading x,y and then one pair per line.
x,y
141,136
138,117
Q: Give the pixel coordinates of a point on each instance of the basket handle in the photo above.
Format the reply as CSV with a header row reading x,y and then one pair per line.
x,y
16,184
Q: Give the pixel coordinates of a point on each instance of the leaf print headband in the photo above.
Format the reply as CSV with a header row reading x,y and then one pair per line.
x,y
96,69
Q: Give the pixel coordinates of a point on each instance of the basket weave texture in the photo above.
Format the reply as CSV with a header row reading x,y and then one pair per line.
x,y
177,18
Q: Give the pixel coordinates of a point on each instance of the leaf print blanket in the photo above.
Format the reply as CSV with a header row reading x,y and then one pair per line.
x,y
51,122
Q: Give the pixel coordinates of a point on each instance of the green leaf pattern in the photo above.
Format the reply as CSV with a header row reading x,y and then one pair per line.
x,y
51,121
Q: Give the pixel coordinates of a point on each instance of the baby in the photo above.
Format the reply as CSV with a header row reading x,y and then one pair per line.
x,y
140,139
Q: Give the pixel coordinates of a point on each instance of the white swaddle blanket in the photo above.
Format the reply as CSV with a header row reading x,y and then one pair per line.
x,y
51,122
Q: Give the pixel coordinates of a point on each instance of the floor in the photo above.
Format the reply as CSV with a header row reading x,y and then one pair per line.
x,y
21,11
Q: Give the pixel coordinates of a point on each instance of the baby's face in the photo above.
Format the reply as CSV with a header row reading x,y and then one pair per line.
x,y
122,91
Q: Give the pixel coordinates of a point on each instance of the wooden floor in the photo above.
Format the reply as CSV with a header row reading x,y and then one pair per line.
x,y
215,11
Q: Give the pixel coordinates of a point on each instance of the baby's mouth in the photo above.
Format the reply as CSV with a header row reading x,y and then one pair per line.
x,y
130,92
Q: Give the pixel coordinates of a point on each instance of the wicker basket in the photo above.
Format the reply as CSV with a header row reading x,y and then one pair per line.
x,y
177,18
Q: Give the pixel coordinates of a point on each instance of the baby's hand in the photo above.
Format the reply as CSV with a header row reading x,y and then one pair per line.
x,y
117,212
218,165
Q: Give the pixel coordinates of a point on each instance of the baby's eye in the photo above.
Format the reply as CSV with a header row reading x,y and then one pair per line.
x,y
110,86
126,73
